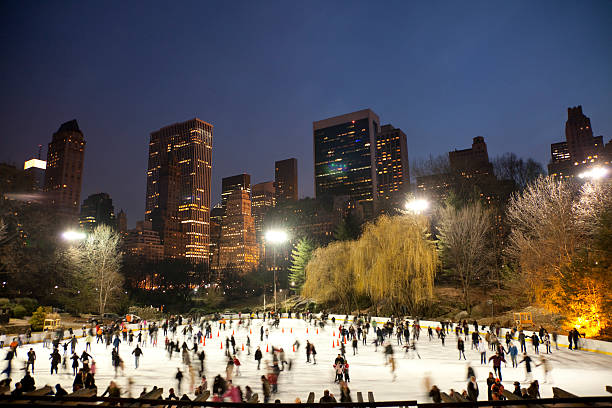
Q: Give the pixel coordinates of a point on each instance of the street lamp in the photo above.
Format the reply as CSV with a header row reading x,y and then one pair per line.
x,y
417,205
72,235
594,173
275,237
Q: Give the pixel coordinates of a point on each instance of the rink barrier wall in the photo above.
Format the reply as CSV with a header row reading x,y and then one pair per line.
x,y
52,401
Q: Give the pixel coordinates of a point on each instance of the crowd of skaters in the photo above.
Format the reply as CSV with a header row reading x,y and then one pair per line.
x,y
182,337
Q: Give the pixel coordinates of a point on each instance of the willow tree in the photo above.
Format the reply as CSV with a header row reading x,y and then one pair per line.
x,y
465,241
329,276
395,262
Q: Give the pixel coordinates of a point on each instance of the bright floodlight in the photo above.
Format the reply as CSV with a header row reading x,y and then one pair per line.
x,y
73,235
276,236
594,173
417,206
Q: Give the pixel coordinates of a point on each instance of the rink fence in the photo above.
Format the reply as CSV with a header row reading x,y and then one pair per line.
x,y
52,401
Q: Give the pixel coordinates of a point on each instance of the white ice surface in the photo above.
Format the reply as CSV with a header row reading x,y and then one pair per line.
x,y
580,372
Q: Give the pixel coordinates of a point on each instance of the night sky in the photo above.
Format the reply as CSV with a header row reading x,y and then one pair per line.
x,y
262,71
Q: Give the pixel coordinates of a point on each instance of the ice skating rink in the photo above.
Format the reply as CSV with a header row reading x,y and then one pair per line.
x,y
580,372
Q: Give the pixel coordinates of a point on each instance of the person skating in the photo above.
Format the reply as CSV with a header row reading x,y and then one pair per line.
x,y
259,356
354,343
137,352
490,382
527,360
345,369
55,358
31,359
483,352
472,389
345,392
179,379
338,370
535,341
265,386
513,351
497,360
75,363
461,348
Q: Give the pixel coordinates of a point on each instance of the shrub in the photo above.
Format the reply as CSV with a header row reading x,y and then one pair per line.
x,y
4,302
29,304
19,312
38,319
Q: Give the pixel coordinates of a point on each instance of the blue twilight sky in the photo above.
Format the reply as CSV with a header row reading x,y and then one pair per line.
x,y
262,71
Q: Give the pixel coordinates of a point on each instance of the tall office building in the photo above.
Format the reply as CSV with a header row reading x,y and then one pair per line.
x,y
97,209
472,162
143,242
238,247
392,168
35,170
234,183
344,156
216,218
580,150
178,188
64,172
286,180
122,223
264,199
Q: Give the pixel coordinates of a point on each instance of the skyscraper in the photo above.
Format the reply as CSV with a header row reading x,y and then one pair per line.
x,y
344,156
233,183
286,180
580,150
238,247
35,169
143,242
178,188
122,223
263,200
392,168
64,171
97,209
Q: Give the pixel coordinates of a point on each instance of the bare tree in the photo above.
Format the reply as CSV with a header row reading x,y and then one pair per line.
x,y
465,242
510,167
96,263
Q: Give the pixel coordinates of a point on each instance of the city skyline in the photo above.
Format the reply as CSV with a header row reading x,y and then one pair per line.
x,y
447,91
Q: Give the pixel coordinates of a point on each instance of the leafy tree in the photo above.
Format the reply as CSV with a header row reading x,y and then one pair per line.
x,y
465,242
37,320
300,256
348,229
94,265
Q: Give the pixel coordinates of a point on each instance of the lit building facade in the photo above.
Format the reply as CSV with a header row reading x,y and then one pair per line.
x,y
122,223
97,209
264,199
238,246
234,183
35,169
392,168
286,180
64,172
580,150
178,188
344,156
143,242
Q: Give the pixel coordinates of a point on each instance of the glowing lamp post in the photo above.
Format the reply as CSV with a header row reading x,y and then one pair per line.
x,y
275,237
74,236
594,173
417,206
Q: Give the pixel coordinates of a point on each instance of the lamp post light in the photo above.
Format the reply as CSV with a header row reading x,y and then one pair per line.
x,y
72,235
275,237
594,173
417,205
